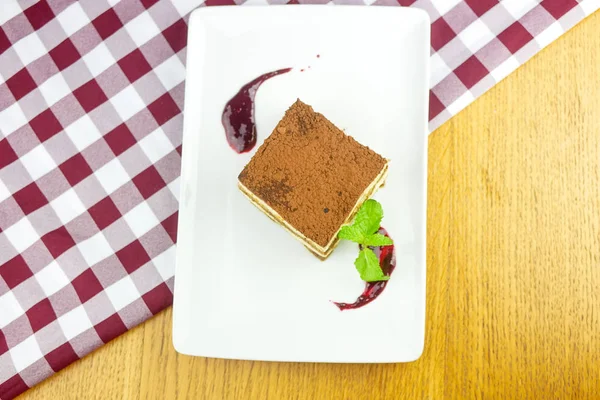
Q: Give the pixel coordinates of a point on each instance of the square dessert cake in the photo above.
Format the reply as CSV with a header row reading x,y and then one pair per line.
x,y
311,177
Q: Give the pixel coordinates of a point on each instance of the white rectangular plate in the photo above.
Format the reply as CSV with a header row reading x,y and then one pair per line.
x,y
245,288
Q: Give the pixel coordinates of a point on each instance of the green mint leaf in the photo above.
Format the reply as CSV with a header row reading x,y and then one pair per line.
x,y
368,266
368,217
366,224
351,233
377,239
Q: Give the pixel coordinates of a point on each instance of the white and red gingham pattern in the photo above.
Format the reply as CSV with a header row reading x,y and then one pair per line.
x,y
91,94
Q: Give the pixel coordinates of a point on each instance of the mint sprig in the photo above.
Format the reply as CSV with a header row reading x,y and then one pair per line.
x,y
364,232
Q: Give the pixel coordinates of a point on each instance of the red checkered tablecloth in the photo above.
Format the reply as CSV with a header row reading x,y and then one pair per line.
x,y
91,94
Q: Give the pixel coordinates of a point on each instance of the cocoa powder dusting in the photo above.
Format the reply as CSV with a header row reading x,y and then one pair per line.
x,y
311,172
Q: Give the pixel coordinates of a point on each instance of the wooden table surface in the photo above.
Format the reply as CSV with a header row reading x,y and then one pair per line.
x,y
513,274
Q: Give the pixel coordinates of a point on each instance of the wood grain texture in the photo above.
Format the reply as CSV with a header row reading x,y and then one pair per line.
x,y
513,308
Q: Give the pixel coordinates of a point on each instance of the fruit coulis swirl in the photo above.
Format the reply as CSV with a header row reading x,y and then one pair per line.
x,y
238,114
387,260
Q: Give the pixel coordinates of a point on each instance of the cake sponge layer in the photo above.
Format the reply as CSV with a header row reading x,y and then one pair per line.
x,y
312,176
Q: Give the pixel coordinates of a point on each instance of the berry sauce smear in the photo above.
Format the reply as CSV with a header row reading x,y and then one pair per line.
x,y
387,260
238,114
